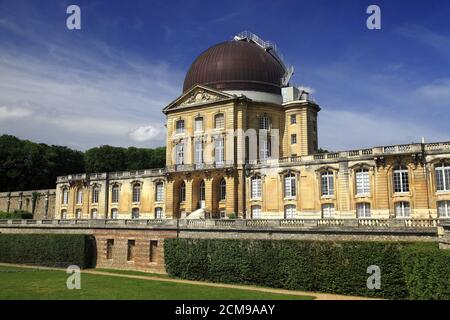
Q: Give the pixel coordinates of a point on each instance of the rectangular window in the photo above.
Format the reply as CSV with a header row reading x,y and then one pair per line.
x,y
152,256
327,183
443,177
135,213
401,181
289,186
136,193
95,194
219,150
198,155
443,209
158,213
256,188
114,213
78,214
180,153
290,212
198,124
402,209
293,119
130,250
180,126
256,212
222,213
328,211
115,195
219,121
109,248
159,191
293,139
363,210
65,196
264,147
362,182
264,123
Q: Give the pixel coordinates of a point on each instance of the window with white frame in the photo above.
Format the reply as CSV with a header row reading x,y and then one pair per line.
x,y
115,194
402,209
362,182
95,194
182,192
293,119
114,213
159,191
63,214
198,125
135,213
256,187
264,123
222,190
78,214
202,191
219,121
198,155
327,183
136,192
328,211
401,180
443,177
219,150
158,213
94,214
179,127
79,196
443,209
290,212
65,196
264,147
222,213
289,186
256,212
293,139
363,210
179,149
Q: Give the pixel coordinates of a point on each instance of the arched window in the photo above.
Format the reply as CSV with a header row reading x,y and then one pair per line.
x,y
115,194
202,191
402,209
182,192
95,194
443,177
198,126
94,214
158,213
328,211
256,187
65,196
327,181
222,190
79,196
219,121
362,182
256,212
78,214
63,214
363,210
401,180
290,212
443,209
135,213
159,187
179,126
290,186
136,192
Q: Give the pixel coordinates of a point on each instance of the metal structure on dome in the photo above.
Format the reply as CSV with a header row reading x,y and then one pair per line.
x,y
271,48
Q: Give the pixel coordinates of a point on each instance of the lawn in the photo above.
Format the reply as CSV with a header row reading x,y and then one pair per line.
x,y
31,284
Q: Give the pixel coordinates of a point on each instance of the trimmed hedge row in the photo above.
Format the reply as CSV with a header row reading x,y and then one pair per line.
x,y
334,267
52,250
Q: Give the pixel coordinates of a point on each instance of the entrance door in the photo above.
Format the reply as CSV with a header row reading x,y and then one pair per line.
x,y
202,195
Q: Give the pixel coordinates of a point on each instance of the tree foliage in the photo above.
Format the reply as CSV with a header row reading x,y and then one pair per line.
x,y
25,165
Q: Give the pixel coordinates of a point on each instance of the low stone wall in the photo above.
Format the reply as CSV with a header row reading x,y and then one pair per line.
x,y
444,236
43,208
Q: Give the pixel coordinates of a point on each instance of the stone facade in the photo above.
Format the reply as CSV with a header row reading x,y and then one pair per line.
x,y
39,202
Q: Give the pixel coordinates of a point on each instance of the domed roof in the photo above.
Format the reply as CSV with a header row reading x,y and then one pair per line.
x,y
236,65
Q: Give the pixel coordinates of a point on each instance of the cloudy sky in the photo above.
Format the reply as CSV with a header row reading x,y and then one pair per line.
x,y
107,83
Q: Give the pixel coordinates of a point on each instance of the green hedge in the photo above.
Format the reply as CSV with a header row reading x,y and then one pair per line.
x,y
53,250
16,214
334,267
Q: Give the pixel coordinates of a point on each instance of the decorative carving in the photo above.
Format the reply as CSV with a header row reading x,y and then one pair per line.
x,y
200,96
417,159
380,161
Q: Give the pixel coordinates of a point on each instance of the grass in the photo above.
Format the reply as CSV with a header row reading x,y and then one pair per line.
x,y
34,284
135,273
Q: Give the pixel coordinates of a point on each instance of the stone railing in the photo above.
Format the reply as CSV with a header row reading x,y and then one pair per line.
x,y
233,223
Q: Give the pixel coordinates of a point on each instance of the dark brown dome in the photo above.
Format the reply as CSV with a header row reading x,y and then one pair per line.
x,y
236,65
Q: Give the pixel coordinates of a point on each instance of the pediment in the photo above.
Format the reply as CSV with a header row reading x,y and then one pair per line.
x,y
198,95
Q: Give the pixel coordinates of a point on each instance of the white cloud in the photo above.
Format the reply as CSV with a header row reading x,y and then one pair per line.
x,y
439,90
11,112
147,133
307,89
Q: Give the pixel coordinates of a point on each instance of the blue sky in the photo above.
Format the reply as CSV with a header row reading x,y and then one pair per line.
x,y
107,83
